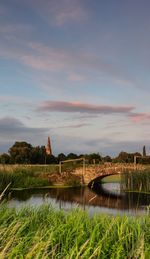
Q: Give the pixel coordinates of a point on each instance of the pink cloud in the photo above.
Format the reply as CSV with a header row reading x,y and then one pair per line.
x,y
59,106
40,57
46,58
139,117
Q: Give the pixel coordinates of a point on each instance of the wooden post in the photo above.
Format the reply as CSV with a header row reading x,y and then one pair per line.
x,y
60,167
135,163
83,171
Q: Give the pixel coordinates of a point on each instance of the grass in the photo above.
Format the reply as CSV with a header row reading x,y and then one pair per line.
x,y
112,179
34,176
21,178
32,168
44,233
138,181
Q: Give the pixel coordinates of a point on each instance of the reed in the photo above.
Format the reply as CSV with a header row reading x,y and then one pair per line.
x,y
137,181
44,233
21,178
32,176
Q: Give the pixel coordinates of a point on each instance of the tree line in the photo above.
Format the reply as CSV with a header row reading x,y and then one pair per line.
x,y
25,153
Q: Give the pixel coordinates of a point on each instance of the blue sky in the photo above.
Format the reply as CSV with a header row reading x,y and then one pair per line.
x,y
78,71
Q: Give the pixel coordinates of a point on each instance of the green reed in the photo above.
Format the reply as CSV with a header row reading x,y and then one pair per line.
x,y
21,178
137,180
44,233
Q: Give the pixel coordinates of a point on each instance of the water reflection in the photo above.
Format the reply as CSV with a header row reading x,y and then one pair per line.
x,y
98,199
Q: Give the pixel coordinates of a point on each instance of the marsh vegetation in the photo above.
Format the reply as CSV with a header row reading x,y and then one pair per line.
x,y
138,181
33,176
44,233
21,177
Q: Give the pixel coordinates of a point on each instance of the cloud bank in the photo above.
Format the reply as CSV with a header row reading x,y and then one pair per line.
x,y
139,117
59,106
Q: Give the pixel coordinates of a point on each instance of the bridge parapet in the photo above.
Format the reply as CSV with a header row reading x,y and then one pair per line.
x,y
91,172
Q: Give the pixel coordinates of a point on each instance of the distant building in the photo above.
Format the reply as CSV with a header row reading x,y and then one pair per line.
x,y
48,147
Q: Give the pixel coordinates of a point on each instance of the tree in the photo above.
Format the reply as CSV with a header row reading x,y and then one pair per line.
x,y
42,155
50,159
21,152
61,157
123,157
144,151
4,158
107,159
37,155
94,158
72,156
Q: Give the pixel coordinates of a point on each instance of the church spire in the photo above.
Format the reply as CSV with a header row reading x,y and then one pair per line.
x,y
48,147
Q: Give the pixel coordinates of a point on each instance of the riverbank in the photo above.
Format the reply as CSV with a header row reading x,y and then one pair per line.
x,y
47,176
45,233
26,177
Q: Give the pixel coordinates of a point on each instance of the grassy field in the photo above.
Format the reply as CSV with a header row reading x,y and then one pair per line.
x,y
112,179
44,233
32,168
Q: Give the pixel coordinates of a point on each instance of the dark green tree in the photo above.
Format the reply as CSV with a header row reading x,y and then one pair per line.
x,y
42,158
37,155
5,159
50,159
72,156
123,157
107,159
144,151
94,158
21,152
61,157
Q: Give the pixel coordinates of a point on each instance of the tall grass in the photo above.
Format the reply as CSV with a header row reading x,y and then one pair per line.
x,y
44,233
138,181
32,168
21,178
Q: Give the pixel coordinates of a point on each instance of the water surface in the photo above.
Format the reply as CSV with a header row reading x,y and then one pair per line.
x,y
102,198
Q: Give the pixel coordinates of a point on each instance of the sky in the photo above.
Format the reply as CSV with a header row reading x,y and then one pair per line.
x,y
77,71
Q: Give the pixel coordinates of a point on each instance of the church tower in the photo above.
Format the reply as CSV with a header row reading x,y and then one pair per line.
x,y
48,147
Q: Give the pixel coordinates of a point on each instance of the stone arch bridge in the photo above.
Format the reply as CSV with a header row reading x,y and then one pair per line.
x,y
89,173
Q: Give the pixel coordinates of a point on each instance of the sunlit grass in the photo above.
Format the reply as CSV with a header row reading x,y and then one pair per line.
x,y
112,179
44,233
32,168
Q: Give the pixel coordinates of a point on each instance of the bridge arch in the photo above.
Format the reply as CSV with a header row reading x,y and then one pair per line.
x,y
90,173
102,176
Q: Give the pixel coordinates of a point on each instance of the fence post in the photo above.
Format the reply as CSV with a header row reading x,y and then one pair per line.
x,y
60,167
83,170
135,165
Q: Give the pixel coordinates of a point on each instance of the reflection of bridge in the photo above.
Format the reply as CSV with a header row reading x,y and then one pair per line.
x,y
97,197
93,172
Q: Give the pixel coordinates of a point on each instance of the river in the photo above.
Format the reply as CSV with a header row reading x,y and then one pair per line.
x,y
102,198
